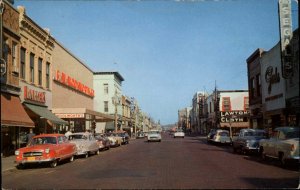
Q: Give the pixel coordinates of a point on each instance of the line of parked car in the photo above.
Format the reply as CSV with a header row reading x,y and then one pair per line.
x,y
282,144
53,148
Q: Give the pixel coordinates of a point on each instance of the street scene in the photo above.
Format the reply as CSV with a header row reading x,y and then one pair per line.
x,y
200,94
173,163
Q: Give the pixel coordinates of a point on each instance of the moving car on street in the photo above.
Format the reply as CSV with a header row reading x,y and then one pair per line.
x,y
46,148
154,135
85,142
179,133
282,145
248,140
140,135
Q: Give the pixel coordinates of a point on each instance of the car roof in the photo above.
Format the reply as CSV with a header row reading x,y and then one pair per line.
x,y
50,135
287,128
254,130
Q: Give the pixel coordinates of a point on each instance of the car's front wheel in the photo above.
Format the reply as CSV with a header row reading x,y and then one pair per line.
x,y
72,159
53,164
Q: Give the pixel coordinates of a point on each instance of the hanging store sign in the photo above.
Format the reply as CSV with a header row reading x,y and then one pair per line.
x,y
33,95
285,23
65,79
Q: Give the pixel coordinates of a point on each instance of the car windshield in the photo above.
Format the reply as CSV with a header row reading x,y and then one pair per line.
x,y
77,137
255,133
224,133
292,134
153,132
42,140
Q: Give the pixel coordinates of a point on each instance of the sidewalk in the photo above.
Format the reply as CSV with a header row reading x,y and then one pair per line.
x,y
7,163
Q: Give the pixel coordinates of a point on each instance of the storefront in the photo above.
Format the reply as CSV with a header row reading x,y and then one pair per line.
x,y
37,103
81,119
15,124
73,93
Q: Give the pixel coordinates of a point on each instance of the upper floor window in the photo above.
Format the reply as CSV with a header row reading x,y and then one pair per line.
x,y
105,88
47,75
32,67
105,106
258,84
40,66
226,106
14,54
246,103
252,87
22,66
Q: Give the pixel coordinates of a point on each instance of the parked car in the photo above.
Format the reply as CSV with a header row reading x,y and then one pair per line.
x,y
125,137
85,142
211,135
179,133
222,136
248,140
114,139
283,145
140,135
154,135
103,141
46,148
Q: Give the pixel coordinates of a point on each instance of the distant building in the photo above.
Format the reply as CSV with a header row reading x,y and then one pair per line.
x,y
108,98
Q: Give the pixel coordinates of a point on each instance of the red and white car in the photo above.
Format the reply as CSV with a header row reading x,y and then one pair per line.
x,y
49,148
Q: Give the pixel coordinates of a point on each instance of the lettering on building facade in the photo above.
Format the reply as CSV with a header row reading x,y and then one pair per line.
x,y
33,95
70,115
233,116
65,79
285,22
271,78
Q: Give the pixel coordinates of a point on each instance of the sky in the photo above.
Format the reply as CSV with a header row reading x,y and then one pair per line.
x,y
165,50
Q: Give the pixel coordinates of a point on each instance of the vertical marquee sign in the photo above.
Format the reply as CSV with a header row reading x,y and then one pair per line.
x,y
285,24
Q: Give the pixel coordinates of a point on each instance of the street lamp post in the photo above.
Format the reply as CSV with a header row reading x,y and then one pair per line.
x,y
116,100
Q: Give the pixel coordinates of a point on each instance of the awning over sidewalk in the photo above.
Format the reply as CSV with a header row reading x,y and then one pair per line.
x,y
80,113
47,114
13,113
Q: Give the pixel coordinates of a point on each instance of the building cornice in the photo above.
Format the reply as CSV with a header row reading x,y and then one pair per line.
x,y
42,35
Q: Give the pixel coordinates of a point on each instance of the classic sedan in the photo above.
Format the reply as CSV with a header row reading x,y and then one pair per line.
x,y
248,140
154,135
282,145
114,139
46,148
222,136
102,141
125,137
179,133
85,142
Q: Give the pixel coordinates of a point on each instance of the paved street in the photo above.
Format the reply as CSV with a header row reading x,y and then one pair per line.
x,y
173,163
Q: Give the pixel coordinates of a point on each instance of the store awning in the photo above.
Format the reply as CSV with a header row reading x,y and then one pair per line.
x,y
80,113
13,113
47,114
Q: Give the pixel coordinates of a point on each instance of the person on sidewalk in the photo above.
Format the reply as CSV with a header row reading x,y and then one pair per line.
x,y
30,135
